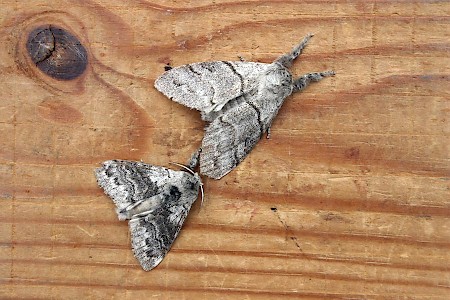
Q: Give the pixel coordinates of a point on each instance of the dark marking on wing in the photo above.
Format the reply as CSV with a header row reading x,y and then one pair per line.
x,y
236,158
208,67
177,83
258,113
174,194
193,71
230,65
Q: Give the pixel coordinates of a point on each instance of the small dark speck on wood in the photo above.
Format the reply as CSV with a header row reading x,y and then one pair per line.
x,y
56,52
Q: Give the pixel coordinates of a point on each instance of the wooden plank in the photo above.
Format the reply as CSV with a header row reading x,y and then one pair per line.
x,y
348,199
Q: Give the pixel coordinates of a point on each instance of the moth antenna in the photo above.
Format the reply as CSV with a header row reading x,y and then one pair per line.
x,y
182,166
193,173
195,159
202,192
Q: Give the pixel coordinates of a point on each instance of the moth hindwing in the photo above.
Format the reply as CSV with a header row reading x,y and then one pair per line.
x,y
238,99
155,200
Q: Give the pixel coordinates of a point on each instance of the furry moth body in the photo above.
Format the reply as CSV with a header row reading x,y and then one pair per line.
x,y
154,199
238,99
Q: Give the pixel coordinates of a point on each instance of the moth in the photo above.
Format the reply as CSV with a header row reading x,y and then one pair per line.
x,y
155,201
238,100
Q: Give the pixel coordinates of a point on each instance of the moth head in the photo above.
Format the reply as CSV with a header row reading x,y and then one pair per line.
x,y
194,180
277,79
122,215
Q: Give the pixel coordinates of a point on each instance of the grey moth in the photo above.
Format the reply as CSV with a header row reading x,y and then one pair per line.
x,y
155,201
238,100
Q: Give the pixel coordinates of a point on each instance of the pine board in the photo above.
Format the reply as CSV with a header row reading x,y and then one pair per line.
x,y
349,198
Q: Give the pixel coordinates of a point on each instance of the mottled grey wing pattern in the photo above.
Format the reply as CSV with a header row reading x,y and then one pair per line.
x,y
234,132
208,86
155,200
228,140
239,99
153,234
237,124
128,182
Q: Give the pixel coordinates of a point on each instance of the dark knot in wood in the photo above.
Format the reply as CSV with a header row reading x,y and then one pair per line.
x,y
56,52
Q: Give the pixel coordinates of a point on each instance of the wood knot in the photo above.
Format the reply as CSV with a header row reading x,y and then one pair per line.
x,y
56,52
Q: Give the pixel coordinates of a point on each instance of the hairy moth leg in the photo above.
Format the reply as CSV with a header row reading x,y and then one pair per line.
x,y
287,59
303,81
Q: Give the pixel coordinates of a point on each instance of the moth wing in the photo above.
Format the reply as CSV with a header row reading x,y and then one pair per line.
x,y
208,86
228,140
152,235
129,182
161,197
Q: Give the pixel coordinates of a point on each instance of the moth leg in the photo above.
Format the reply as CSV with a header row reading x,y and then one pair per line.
x,y
194,160
268,132
287,59
303,81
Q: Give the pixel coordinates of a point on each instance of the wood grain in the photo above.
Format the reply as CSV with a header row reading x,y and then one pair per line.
x,y
348,199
